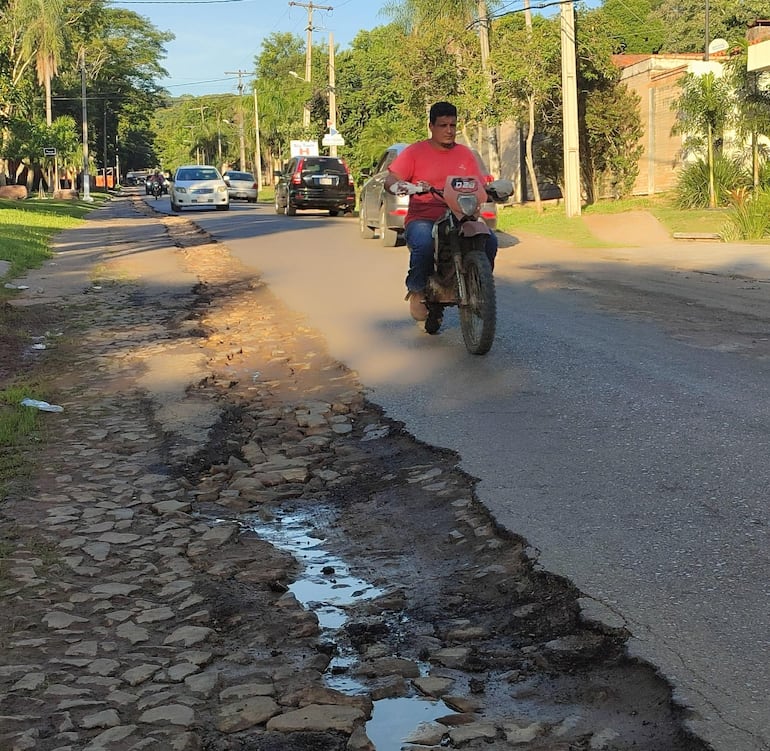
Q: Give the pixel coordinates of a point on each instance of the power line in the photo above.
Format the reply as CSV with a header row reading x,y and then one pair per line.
x,y
181,2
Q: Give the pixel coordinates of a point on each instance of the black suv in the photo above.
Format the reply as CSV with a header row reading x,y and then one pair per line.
x,y
314,182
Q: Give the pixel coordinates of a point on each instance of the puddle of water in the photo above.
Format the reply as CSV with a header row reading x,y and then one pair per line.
x,y
326,587
394,719
326,584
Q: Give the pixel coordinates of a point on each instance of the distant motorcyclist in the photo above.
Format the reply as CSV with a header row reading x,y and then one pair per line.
x,y
157,179
430,162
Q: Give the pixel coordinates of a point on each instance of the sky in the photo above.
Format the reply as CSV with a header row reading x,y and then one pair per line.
x,y
215,36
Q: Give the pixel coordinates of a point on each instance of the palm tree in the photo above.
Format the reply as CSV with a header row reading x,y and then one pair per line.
x,y
702,111
43,39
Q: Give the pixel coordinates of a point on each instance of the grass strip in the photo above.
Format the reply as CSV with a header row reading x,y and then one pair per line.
x,y
553,223
20,428
26,229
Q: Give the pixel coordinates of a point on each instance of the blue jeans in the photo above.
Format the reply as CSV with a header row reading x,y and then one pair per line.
x,y
420,242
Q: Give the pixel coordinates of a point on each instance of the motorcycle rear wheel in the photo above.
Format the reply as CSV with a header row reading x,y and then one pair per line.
x,y
478,311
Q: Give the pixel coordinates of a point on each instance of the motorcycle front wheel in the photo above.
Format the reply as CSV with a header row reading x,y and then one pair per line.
x,y
478,310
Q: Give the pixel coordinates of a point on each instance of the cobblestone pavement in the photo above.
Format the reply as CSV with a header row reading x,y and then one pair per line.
x,y
115,605
139,612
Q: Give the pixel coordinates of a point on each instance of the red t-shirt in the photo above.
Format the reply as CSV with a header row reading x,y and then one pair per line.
x,y
424,161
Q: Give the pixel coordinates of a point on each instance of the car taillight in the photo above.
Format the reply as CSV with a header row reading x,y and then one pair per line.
x,y
351,181
296,178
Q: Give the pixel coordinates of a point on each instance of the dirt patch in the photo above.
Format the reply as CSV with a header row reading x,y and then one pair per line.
x,y
635,228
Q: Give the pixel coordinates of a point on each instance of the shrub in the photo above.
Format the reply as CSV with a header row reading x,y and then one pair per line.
x,y
692,188
749,215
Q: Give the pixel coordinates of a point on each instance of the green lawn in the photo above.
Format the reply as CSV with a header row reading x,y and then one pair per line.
x,y
553,223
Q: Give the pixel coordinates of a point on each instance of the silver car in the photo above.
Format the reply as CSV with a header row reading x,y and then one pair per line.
x,y
381,213
241,185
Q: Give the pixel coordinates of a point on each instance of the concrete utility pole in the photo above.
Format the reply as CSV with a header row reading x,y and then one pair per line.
x,y
570,111
309,50
240,74
494,147
257,147
86,177
332,94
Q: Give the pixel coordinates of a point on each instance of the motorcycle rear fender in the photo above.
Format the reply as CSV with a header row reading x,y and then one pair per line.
x,y
471,229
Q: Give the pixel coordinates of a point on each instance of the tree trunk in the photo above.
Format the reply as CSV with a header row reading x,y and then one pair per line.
x,y
710,157
48,112
530,159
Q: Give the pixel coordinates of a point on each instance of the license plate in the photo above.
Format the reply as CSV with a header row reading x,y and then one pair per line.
x,y
326,181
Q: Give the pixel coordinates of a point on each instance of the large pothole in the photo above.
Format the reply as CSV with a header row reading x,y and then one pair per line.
x,y
442,619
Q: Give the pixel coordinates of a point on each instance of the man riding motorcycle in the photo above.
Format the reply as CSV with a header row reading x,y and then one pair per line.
x,y
428,163
157,179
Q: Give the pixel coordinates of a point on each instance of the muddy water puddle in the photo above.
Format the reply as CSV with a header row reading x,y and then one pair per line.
x,y
326,587
508,700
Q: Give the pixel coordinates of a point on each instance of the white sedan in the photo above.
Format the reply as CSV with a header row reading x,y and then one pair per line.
x,y
198,185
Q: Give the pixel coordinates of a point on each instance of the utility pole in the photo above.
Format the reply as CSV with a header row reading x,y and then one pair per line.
x,y
86,177
104,140
332,93
257,147
494,147
309,49
570,111
240,74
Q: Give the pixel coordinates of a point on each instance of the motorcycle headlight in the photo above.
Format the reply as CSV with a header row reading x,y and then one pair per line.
x,y
468,204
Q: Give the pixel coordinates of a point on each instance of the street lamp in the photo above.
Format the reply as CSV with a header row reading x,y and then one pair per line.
x,y
306,105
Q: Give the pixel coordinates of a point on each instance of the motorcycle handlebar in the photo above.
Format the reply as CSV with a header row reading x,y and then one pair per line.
x,y
498,191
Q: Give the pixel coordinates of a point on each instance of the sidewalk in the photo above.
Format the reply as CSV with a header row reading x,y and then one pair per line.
x,y
121,608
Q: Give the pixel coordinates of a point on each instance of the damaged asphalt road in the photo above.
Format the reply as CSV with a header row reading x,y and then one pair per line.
x,y
155,566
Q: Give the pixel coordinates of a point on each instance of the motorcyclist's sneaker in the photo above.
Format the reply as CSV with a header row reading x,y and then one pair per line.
x,y
417,307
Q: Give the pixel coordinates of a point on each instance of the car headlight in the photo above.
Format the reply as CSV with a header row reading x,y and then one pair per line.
x,y
180,189
222,189
469,204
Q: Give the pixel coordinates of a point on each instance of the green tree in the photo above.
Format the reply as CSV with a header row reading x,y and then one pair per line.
x,y
612,131
43,39
683,21
528,62
631,26
703,109
372,94
281,96
421,18
753,102
122,54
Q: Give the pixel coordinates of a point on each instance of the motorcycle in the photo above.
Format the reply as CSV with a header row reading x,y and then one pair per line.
x,y
462,274
156,189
